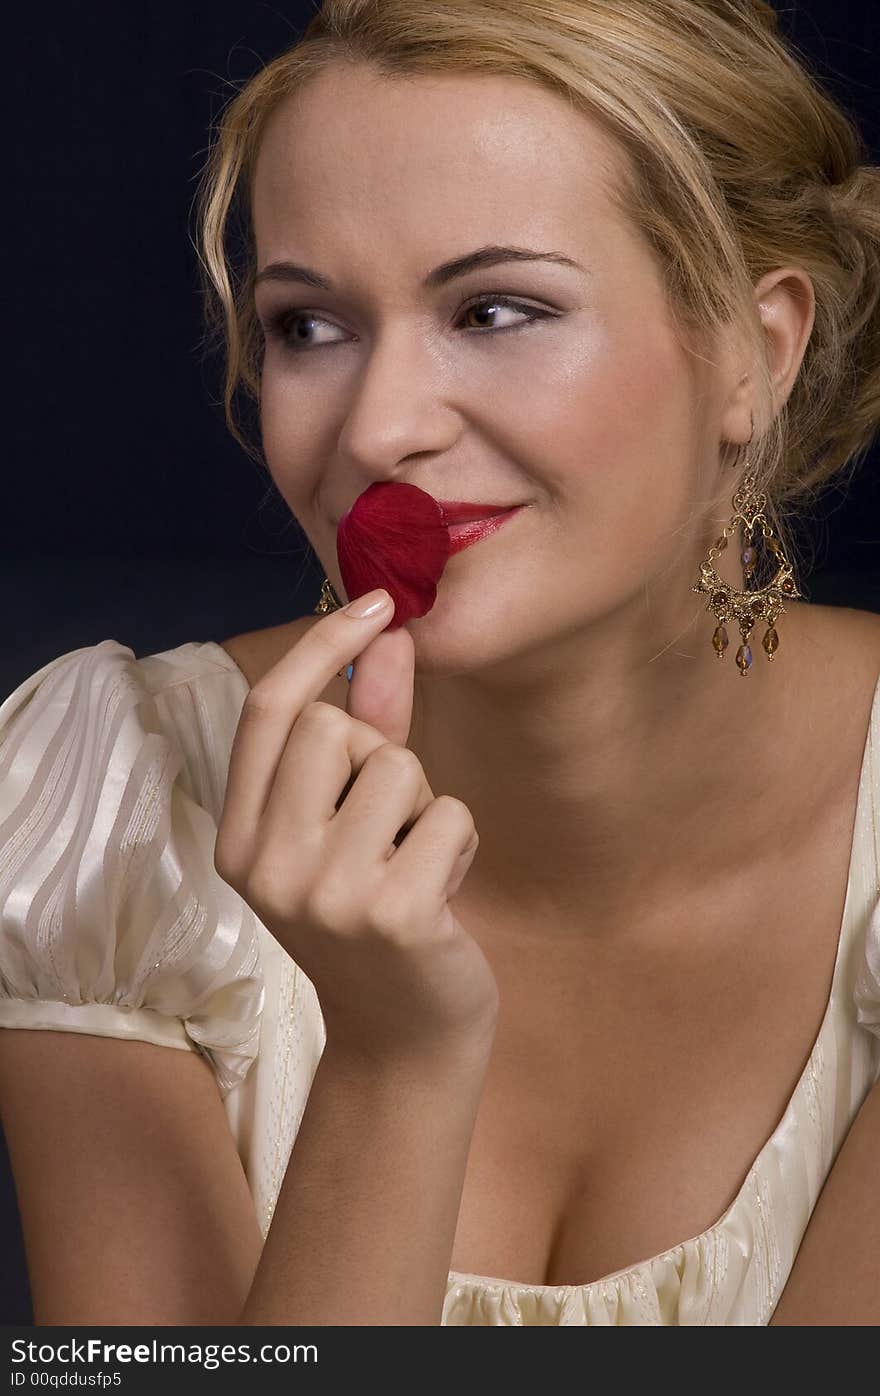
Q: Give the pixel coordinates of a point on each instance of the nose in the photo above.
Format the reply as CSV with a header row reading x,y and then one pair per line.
x,y
398,406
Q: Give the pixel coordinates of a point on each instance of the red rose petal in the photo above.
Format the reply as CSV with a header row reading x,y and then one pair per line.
x,y
393,536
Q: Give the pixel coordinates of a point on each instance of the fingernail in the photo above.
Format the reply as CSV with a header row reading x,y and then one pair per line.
x,y
369,605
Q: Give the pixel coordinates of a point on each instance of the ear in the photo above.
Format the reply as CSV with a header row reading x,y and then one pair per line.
x,y
787,306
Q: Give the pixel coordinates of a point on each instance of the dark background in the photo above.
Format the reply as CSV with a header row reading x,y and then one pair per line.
x,y
130,512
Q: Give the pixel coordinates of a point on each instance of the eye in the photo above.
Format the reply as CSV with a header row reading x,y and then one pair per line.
x,y
492,303
285,325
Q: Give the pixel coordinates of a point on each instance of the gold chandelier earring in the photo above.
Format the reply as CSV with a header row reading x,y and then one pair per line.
x,y
747,607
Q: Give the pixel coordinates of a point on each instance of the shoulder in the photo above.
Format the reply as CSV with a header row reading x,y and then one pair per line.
x,y
830,702
114,919
830,716
843,643
843,620
257,651
95,685
864,624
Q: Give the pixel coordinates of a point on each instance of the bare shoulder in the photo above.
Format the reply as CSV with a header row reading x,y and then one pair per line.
x,y
836,675
257,651
848,636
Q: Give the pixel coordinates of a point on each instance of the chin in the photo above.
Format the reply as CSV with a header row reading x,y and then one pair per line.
x,y
459,636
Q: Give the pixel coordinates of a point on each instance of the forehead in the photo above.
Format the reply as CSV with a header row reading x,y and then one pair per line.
x,y
355,156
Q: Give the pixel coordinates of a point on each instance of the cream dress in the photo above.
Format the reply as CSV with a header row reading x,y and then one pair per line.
x,y
113,921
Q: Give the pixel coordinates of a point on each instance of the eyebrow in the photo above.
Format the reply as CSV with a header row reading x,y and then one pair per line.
x,y
478,260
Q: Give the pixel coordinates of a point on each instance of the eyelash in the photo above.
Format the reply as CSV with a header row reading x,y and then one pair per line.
x,y
279,325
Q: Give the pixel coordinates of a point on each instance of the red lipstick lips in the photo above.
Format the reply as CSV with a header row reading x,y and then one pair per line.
x,y
400,537
456,511
470,530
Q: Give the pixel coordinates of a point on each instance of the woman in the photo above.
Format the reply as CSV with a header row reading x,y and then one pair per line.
x,y
567,1009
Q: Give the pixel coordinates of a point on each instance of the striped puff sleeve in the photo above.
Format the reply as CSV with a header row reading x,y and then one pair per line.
x,y
113,919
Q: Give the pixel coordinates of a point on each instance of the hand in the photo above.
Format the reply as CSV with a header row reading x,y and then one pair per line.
x,y
355,882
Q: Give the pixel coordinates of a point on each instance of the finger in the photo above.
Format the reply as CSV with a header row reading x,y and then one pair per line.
x,y
381,691
434,856
272,707
320,768
389,794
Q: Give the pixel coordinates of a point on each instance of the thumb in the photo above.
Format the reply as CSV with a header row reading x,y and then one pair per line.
x,y
381,688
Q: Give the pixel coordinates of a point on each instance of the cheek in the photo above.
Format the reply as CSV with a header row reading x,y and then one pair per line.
x,y
613,442
293,428
619,414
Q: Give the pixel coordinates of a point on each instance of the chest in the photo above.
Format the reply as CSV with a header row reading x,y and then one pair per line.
x,y
635,1079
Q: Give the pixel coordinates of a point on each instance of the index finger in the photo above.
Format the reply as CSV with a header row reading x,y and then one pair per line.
x,y
328,647
275,702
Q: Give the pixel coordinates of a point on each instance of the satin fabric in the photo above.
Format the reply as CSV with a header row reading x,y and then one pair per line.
x,y
113,921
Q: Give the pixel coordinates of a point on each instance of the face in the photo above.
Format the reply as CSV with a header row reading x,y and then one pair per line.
x,y
572,395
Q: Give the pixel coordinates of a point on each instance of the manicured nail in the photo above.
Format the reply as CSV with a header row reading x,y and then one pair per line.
x,y
369,605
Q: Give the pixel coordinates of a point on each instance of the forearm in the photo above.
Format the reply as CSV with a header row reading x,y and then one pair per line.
x,y
365,1221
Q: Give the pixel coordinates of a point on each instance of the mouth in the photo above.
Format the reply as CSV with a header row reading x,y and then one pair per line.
x,y
467,531
455,511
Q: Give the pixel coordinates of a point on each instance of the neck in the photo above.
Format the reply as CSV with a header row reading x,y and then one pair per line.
x,y
614,766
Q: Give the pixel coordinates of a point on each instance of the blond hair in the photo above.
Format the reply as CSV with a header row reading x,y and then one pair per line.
x,y
738,162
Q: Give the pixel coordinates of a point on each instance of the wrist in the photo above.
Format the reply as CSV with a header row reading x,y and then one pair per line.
x,y
451,1065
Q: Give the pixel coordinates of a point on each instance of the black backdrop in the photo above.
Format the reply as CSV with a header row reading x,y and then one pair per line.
x,y
130,513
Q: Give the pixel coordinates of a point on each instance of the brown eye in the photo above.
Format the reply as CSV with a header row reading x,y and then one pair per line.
x,y
492,303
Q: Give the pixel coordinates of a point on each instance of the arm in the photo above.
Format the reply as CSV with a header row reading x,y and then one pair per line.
x,y
365,1221
134,1205
135,1208
835,1279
